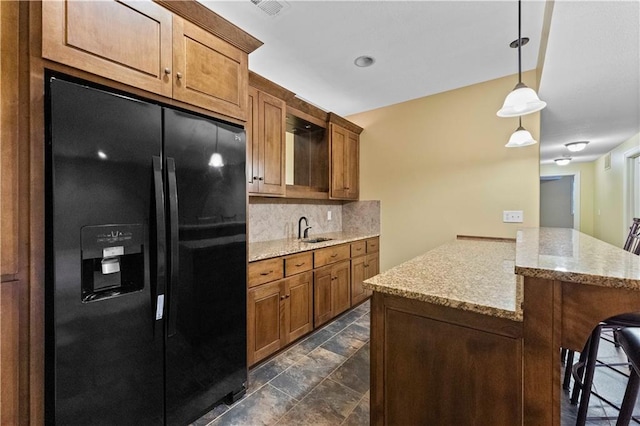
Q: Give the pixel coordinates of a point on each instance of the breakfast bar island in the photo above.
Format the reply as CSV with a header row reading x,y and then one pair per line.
x,y
470,332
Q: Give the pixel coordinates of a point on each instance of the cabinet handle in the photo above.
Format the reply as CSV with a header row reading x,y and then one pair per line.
x,y
288,296
179,75
260,178
283,297
359,248
264,274
255,178
300,264
334,255
167,71
366,266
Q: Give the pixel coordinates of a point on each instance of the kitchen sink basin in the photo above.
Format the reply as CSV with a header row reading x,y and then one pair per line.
x,y
316,240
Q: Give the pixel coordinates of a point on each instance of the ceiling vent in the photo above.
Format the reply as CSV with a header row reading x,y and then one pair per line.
x,y
271,7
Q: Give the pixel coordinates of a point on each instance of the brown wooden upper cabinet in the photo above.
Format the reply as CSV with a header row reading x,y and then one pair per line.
x,y
209,72
265,144
344,168
142,44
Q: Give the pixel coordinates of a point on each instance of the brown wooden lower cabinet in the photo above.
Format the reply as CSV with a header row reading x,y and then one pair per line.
x,y
287,298
332,291
9,352
433,365
278,313
362,268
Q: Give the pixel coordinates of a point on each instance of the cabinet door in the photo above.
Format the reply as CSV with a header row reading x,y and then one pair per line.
x,y
345,171
322,280
371,268
299,305
339,140
126,41
271,136
340,288
266,331
253,149
352,161
358,293
10,352
209,72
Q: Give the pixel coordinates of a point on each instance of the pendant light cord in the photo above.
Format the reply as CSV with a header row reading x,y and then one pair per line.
x,y
519,43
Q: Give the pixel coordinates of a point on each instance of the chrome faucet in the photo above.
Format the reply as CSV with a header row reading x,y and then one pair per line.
x,y
305,233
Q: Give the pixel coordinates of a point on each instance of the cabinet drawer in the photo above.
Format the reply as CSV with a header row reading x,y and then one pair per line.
x,y
298,263
358,248
329,255
372,245
264,271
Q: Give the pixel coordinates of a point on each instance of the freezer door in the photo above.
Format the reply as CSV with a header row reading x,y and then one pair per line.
x,y
104,346
206,343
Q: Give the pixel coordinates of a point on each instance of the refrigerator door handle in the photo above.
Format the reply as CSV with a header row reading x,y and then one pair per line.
x,y
172,194
159,235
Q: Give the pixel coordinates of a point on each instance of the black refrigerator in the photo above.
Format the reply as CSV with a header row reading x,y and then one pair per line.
x,y
145,276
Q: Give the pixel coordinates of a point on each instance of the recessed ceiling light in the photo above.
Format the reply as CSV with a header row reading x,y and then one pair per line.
x,y
576,146
562,161
364,61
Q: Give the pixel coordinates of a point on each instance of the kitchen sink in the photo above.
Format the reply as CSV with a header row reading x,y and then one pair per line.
x,y
316,240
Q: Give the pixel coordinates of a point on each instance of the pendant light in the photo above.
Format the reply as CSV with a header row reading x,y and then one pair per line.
x,y
522,100
521,137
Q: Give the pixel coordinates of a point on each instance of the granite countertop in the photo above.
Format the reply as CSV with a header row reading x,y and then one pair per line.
x,y
274,248
568,255
468,274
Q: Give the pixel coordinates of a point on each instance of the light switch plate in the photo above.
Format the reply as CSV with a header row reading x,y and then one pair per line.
x,y
328,214
512,216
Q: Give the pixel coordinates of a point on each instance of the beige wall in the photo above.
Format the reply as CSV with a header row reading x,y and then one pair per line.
x,y
609,218
439,167
587,189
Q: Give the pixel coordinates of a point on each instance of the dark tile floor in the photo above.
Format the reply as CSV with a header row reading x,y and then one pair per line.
x,y
321,380
324,380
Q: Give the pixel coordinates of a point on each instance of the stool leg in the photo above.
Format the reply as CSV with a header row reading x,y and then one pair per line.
x,y
579,374
567,370
629,401
589,370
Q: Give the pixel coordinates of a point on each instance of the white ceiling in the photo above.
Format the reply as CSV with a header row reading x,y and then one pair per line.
x,y
590,77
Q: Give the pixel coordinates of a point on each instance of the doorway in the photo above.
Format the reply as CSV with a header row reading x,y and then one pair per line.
x,y
558,202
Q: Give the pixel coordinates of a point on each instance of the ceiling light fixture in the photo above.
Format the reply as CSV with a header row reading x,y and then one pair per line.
x,y
364,61
562,161
522,100
521,137
576,146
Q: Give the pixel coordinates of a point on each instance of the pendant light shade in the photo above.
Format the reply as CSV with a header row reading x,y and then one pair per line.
x,y
522,100
521,137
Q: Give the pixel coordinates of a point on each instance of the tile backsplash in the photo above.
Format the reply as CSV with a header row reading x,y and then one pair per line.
x,y
275,219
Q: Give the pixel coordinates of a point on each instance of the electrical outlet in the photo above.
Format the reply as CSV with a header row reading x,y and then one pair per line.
x,y
512,216
329,215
